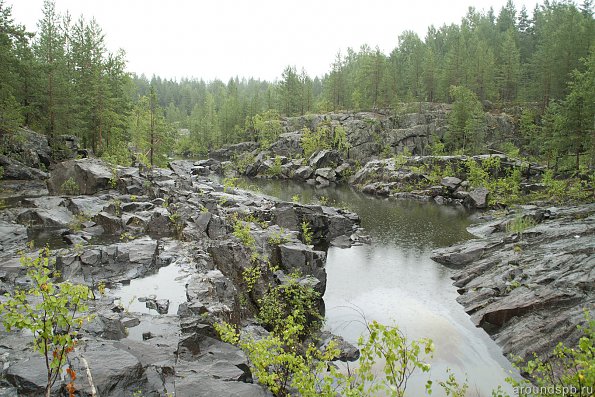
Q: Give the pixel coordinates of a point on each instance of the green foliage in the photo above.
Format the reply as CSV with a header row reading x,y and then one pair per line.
x,y
559,190
113,182
437,148
402,358
150,132
452,387
77,222
278,363
275,169
307,234
241,162
519,224
230,183
313,141
466,121
251,275
569,371
326,136
290,299
503,190
340,139
177,223
278,237
1,172
241,230
268,127
53,313
70,187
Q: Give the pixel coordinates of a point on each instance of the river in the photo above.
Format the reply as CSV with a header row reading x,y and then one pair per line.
x,y
394,281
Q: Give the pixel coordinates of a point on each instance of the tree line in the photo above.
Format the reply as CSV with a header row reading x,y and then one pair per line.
x,y
62,80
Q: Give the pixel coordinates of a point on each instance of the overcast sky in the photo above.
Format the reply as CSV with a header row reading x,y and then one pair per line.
x,y
255,38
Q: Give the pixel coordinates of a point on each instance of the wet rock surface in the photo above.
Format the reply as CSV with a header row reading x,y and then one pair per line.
x,y
528,288
128,224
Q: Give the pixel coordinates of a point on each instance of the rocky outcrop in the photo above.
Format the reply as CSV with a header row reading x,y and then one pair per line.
x,y
228,152
128,223
528,287
442,179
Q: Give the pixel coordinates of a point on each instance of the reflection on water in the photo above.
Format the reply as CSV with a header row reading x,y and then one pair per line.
x,y
394,281
168,283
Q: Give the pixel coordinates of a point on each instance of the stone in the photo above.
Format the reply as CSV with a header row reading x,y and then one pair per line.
x,y
12,236
65,147
325,158
288,144
115,371
228,151
91,175
477,198
58,217
450,182
322,182
296,256
347,352
14,169
326,173
89,206
303,172
29,376
160,305
528,290
159,223
111,224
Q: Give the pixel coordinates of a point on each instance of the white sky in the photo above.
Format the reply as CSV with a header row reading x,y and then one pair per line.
x,y
251,38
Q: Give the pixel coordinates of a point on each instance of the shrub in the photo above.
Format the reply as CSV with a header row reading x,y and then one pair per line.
x,y
53,316
316,140
307,234
77,222
70,187
290,299
275,169
519,224
242,231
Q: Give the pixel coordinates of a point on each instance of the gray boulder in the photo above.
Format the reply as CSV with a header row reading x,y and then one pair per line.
x,y
477,198
115,371
11,236
326,173
450,182
90,175
303,173
14,169
325,158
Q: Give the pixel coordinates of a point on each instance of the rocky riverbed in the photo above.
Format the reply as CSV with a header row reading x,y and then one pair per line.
x,y
529,277
123,224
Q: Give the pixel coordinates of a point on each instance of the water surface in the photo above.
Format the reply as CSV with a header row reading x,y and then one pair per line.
x,y
394,281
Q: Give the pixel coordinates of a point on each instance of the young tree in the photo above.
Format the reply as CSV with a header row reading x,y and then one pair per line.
x,y
10,110
510,67
466,121
579,109
53,313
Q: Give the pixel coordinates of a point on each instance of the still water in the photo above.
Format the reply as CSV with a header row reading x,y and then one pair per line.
x,y
394,281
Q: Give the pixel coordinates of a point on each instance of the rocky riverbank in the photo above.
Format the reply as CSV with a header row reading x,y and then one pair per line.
x,y
386,154
529,277
120,224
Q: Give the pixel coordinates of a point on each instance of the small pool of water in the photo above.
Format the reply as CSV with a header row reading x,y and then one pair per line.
x,y
168,283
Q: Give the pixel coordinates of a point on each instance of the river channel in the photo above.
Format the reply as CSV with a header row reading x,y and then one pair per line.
x,y
394,281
